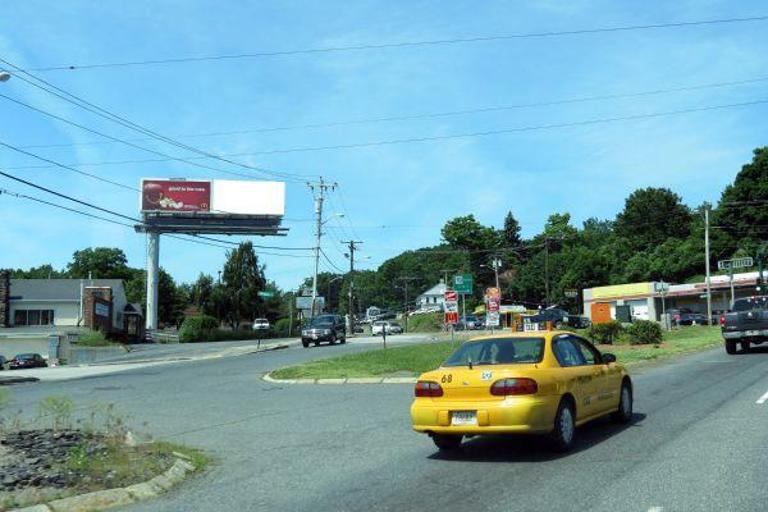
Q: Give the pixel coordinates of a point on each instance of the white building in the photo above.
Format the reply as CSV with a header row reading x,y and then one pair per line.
x,y
51,303
434,298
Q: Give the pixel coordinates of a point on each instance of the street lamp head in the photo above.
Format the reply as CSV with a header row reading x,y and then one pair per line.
x,y
4,76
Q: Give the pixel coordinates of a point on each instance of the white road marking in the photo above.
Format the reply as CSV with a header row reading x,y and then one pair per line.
x,y
655,509
762,399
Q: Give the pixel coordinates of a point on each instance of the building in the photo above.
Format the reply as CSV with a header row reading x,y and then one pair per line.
x,y
434,298
648,300
51,304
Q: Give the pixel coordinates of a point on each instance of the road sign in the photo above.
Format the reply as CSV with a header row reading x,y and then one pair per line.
x,y
451,317
463,284
735,263
266,295
661,287
451,296
571,294
305,303
492,319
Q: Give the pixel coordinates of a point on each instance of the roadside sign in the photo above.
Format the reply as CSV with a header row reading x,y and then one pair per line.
x,y
492,305
571,294
661,287
492,319
451,296
451,317
266,294
463,284
735,263
305,303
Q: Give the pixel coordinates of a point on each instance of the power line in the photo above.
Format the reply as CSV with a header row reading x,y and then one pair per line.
x,y
322,252
405,44
588,122
430,115
106,114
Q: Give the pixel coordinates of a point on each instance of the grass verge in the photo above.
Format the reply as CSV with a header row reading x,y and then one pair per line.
x,y
416,359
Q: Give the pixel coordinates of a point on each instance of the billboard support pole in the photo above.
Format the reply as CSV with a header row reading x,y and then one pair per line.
x,y
153,278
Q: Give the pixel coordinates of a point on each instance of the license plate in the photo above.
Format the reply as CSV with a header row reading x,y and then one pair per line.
x,y
464,418
752,333
314,336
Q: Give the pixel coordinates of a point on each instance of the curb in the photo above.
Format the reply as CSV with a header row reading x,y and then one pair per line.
x,y
10,381
120,496
351,380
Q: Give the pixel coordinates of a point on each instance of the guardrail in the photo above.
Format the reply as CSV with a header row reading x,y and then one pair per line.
x,y
162,337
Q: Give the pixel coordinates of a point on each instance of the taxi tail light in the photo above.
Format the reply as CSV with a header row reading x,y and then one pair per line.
x,y
506,387
425,388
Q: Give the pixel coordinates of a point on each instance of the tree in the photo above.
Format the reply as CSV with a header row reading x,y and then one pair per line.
x,y
511,231
201,294
742,213
243,279
42,272
651,216
99,263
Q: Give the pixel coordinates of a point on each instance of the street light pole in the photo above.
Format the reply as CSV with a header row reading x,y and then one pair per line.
x,y
321,187
706,261
4,76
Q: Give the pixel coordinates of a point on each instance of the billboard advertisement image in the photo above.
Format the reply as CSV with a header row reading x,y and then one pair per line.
x,y
175,196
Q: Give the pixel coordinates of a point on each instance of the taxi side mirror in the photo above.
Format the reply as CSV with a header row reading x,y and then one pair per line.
x,y
609,358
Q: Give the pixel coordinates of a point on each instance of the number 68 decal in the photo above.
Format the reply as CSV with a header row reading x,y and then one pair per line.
x,y
447,379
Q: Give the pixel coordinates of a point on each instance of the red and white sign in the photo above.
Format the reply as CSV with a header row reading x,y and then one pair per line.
x,y
492,305
451,317
451,296
175,196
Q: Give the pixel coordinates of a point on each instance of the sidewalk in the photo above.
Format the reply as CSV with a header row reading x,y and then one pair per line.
x,y
59,373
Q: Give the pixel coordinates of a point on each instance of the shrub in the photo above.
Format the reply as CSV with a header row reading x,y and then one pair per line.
x,y
605,333
94,338
197,328
281,328
644,332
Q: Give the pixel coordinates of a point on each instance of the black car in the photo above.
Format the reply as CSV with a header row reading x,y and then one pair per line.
x,y
561,317
685,316
27,361
3,362
330,328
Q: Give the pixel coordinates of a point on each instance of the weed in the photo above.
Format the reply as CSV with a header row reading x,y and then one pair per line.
x,y
57,411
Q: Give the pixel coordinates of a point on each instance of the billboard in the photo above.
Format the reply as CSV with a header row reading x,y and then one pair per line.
x,y
175,196
214,197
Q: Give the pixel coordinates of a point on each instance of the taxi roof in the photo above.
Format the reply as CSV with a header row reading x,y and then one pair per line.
x,y
519,334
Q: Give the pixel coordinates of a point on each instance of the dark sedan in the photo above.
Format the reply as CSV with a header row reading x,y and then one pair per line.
x,y
330,328
27,361
685,316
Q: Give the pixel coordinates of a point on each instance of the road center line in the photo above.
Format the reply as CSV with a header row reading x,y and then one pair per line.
x,y
655,509
762,399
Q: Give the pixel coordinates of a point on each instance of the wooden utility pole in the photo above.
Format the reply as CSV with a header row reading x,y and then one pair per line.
x,y
352,244
405,281
706,262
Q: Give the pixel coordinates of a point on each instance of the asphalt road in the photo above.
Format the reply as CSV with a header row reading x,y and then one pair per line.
x,y
698,442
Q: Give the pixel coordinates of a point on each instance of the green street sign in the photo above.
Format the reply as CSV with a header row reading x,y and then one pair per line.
x,y
463,284
266,295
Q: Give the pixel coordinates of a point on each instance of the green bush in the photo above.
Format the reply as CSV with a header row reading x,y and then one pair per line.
x,y
94,338
605,333
644,332
281,328
197,328
429,322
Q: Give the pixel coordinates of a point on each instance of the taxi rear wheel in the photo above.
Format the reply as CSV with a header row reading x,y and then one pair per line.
x,y
564,431
446,441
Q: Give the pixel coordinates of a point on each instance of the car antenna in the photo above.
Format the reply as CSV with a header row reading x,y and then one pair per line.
x,y
469,362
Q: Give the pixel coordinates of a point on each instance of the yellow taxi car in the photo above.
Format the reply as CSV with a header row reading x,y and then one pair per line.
x,y
541,382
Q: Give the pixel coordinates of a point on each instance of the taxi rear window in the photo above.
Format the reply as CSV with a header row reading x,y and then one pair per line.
x,y
498,351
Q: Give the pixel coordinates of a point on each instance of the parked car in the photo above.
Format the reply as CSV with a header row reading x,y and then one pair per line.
x,y
329,328
561,318
260,324
380,327
27,361
685,316
3,362
747,323
469,323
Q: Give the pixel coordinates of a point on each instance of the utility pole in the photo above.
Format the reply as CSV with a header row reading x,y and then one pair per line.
x,y
546,270
706,263
405,281
496,262
445,275
320,188
351,313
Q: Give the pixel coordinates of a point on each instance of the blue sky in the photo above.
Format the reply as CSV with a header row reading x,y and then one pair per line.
x,y
410,189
